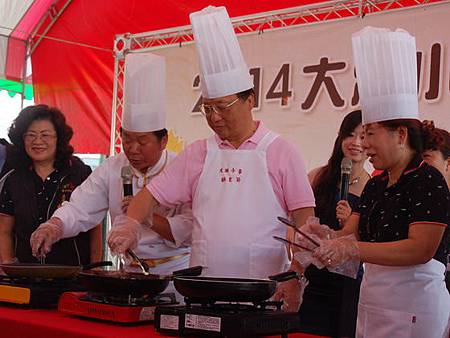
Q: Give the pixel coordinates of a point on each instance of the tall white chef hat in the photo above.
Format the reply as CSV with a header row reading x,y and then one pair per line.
x,y
386,72
144,93
223,70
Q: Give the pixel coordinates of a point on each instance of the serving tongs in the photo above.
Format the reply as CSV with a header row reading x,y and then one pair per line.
x,y
291,224
142,264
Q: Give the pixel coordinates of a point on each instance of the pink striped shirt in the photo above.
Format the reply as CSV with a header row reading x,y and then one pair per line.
x,y
178,182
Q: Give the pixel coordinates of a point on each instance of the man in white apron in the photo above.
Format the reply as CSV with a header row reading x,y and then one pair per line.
x,y
144,139
403,215
238,180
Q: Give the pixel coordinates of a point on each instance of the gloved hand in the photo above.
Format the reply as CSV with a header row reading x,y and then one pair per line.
x,y
125,234
291,293
45,236
316,231
335,252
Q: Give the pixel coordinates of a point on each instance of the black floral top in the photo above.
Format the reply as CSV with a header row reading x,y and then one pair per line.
x,y
420,195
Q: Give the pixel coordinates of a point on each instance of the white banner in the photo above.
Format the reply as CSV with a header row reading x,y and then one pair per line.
x,y
304,78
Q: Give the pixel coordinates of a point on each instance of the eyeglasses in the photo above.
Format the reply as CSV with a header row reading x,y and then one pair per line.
x,y
208,109
45,137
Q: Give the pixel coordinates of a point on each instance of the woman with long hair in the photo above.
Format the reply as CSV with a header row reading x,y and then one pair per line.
x,y
45,174
330,301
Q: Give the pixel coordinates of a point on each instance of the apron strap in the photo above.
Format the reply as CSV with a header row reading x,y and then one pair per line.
x,y
266,140
211,144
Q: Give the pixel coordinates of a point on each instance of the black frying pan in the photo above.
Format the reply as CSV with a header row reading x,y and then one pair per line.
x,y
130,283
212,289
37,270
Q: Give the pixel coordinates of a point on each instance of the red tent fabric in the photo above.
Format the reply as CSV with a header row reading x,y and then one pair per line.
x,y
79,79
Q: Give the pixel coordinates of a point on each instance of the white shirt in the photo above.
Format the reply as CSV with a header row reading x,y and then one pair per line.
x,y
103,191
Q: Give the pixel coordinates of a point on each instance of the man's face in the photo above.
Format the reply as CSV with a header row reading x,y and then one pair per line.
x,y
143,150
225,114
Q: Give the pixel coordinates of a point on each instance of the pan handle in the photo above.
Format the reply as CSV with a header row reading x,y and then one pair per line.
x,y
284,276
96,265
192,271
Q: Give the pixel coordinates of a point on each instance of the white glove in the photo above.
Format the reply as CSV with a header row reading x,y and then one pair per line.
x,y
125,234
45,236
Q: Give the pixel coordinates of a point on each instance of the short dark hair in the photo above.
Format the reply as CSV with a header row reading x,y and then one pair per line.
x,y
244,95
158,133
28,115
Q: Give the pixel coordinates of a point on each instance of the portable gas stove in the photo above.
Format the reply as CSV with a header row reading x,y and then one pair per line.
x,y
226,320
34,292
119,309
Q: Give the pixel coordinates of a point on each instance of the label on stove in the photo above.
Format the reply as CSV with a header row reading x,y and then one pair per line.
x,y
199,322
169,322
147,313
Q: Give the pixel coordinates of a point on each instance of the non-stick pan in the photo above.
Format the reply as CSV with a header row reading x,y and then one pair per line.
x,y
130,283
36,270
213,289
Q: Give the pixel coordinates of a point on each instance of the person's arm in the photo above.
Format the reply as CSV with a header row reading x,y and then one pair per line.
x,y
6,238
420,246
299,216
88,203
143,205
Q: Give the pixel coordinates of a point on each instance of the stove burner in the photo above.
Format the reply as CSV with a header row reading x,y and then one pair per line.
x,y
226,319
23,281
236,306
130,300
34,292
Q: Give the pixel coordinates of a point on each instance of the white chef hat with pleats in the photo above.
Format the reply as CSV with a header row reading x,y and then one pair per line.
x,y
144,93
386,72
223,70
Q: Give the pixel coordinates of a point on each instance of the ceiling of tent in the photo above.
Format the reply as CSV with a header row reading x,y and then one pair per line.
x,y
73,65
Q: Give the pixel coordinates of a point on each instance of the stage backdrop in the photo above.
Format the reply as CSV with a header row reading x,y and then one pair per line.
x,y
304,78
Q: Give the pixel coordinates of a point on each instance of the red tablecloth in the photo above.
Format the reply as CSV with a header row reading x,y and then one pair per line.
x,y
27,323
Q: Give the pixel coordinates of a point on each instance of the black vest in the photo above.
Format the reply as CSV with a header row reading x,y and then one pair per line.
x,y
68,251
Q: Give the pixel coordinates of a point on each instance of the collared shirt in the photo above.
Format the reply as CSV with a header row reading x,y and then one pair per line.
x,y
178,182
420,195
45,192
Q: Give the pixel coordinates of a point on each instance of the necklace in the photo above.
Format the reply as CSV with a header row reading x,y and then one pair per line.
x,y
356,179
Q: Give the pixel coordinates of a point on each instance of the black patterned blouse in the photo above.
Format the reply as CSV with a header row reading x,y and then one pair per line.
x,y
420,195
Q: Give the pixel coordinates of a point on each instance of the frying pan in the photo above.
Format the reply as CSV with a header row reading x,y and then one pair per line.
x,y
212,289
131,283
36,270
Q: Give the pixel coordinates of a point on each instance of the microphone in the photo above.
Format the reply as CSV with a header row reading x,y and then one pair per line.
x,y
127,179
346,170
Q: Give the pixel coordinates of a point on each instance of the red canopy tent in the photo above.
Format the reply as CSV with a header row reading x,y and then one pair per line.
x,y
72,48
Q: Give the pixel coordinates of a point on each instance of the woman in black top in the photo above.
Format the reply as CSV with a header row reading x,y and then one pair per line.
x,y
330,301
402,226
45,173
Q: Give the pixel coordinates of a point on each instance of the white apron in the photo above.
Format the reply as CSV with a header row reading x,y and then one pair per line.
x,y
402,302
235,215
